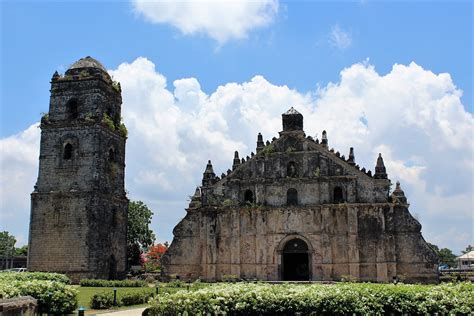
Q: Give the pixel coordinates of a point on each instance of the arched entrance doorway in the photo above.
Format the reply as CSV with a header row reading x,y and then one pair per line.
x,y
295,260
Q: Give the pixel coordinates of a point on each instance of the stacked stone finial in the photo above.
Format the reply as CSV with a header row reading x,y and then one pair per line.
x,y
260,143
398,196
236,162
55,76
208,176
351,159
324,139
380,171
196,198
292,120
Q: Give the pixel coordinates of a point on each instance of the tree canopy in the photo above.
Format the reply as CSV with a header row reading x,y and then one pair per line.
x,y
139,234
7,244
469,248
446,256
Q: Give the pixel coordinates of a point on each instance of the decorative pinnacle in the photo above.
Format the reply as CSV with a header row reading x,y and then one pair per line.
x,y
351,159
208,176
260,143
398,196
380,171
209,168
324,139
236,162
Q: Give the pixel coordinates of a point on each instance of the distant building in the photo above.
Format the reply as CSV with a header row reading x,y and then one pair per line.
x,y
299,210
78,222
466,261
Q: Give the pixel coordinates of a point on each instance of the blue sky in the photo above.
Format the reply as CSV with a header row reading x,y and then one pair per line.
x,y
301,45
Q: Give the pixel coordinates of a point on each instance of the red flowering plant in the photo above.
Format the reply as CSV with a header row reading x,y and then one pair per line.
x,y
153,256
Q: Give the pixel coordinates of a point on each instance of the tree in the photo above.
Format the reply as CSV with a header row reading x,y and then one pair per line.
x,y
446,256
22,251
153,257
469,248
7,246
139,234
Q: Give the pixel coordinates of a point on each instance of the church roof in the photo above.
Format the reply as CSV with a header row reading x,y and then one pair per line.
x,y
87,62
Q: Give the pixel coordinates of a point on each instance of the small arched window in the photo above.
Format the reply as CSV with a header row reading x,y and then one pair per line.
x,y
292,197
67,153
72,109
338,197
291,169
248,196
111,155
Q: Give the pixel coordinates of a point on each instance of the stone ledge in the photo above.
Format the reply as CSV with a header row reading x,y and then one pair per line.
x,y
22,305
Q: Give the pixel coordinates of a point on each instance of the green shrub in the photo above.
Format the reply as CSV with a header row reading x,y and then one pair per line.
x,y
316,299
105,299
53,297
107,121
112,283
122,129
28,276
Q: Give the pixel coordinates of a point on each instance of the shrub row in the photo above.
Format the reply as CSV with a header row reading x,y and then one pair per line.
x,y
53,297
112,283
125,297
316,299
28,276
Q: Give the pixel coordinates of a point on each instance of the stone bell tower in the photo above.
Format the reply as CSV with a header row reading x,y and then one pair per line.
x,y
78,222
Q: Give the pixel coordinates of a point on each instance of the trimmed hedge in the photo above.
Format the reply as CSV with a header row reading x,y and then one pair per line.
x,y
112,283
53,297
28,276
125,297
316,299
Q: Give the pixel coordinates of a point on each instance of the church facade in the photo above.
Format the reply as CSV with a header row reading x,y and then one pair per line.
x,y
298,210
78,222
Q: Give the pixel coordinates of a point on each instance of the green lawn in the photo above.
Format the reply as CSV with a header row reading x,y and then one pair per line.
x,y
85,293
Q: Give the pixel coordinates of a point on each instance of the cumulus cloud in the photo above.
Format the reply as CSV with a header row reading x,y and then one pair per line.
x,y
339,38
220,20
18,172
414,117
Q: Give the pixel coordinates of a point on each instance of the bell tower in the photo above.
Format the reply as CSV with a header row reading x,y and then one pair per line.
x,y
78,222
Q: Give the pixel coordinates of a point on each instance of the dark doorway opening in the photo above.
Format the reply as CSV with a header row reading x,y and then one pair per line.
x,y
72,109
67,154
292,197
338,197
295,261
248,198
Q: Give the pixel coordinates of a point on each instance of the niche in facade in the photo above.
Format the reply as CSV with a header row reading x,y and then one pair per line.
x,y
248,196
337,196
292,197
72,109
67,152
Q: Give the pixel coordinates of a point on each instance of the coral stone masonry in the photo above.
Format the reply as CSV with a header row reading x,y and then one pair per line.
x,y
297,210
78,221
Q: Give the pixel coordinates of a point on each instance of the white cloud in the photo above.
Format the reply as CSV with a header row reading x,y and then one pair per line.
x,y
339,38
220,20
411,115
18,172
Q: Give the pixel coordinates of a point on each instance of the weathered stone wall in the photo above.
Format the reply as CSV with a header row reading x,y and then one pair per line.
x,y
22,305
78,222
363,241
317,172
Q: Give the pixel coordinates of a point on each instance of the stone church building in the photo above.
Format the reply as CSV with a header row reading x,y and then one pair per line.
x,y
295,210
78,222
298,210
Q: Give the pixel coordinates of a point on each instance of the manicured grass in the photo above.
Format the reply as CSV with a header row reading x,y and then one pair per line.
x,y
85,293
